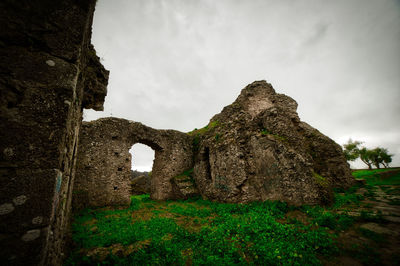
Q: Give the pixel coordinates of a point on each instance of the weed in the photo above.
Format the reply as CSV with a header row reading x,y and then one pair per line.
x,y
347,198
264,132
328,218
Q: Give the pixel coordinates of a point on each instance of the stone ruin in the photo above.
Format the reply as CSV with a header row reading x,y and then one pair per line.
x,y
104,164
255,149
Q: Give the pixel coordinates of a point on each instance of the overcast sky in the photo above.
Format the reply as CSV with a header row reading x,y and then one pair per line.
x,y
174,64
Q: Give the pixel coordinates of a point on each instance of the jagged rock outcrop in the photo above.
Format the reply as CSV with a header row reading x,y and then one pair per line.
x,y
258,149
104,163
48,72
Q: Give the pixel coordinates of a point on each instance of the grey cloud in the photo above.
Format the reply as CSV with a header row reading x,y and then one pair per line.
x,y
318,33
174,64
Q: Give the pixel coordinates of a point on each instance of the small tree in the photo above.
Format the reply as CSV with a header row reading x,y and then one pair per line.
x,y
381,156
375,156
387,159
351,150
366,157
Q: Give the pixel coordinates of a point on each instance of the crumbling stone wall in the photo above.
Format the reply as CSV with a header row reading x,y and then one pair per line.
x,y
256,149
48,72
104,162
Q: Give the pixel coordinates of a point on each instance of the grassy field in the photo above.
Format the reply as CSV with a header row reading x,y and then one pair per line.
x,y
200,232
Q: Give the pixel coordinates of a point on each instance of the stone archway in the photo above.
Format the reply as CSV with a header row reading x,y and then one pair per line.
x,y
104,161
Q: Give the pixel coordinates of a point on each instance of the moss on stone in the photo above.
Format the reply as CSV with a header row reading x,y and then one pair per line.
x,y
265,132
185,175
203,130
320,179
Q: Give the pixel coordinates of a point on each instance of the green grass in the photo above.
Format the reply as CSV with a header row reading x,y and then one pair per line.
x,y
201,232
327,217
348,197
373,177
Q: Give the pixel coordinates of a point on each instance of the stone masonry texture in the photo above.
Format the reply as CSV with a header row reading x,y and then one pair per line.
x,y
256,149
104,162
49,72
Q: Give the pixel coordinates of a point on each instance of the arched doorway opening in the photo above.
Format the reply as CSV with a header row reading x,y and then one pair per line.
x,y
141,168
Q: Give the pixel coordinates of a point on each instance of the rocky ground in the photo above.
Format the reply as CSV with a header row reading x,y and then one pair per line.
x,y
375,237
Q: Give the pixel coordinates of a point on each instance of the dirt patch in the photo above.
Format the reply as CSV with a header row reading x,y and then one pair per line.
x,y
101,253
141,215
295,215
193,224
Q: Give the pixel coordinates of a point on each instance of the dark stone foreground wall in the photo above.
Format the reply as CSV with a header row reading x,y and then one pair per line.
x,y
48,72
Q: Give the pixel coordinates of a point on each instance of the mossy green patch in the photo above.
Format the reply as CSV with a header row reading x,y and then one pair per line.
x,y
185,175
265,132
205,129
320,179
198,133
